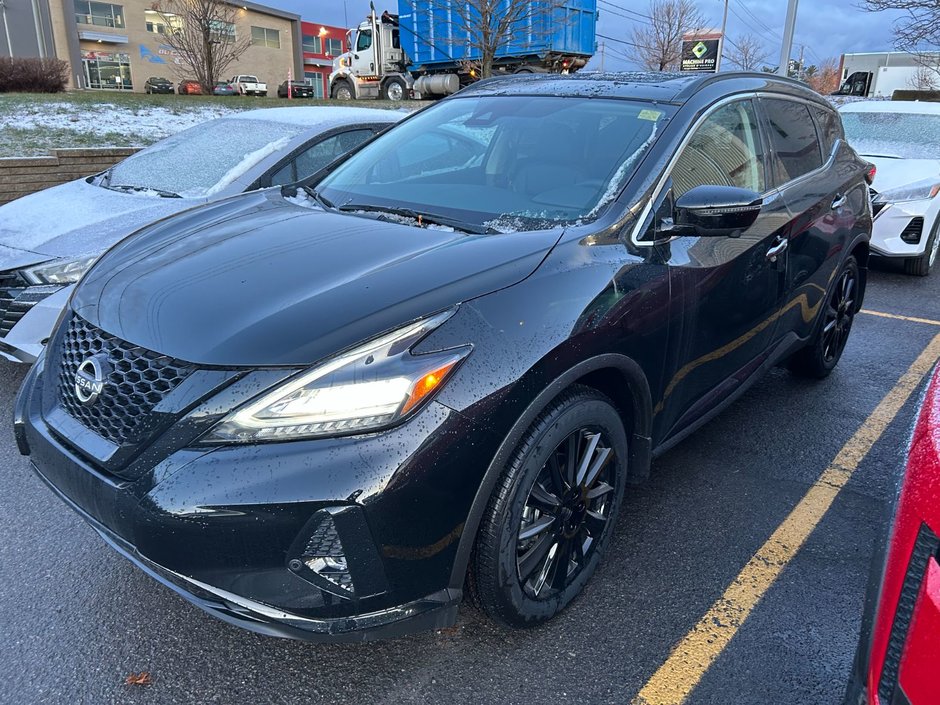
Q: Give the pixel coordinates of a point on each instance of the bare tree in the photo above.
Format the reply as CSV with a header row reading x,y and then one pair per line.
x,y
202,33
489,25
916,32
747,53
924,79
657,46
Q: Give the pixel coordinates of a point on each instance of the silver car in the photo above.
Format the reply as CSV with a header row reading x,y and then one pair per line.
x,y
50,238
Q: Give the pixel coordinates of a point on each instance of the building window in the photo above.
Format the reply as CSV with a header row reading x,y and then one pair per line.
x,y
107,70
312,44
334,47
162,22
101,14
316,80
222,30
265,37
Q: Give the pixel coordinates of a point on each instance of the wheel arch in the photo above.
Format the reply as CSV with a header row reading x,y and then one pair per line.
x,y
861,250
614,375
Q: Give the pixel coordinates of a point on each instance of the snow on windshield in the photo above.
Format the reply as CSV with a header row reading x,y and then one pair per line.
x,y
203,160
905,135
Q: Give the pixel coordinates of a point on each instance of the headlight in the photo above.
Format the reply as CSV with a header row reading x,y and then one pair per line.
x,y
59,271
918,191
371,387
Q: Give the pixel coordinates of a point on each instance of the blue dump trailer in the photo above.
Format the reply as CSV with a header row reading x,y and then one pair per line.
x,y
431,48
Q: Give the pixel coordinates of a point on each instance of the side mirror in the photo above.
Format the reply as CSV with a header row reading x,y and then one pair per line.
x,y
716,211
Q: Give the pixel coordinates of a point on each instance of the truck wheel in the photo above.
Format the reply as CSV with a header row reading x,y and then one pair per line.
x,y
394,89
342,91
921,266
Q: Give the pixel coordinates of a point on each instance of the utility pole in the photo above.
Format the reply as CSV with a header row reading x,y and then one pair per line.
x,y
724,28
788,31
6,27
602,57
802,49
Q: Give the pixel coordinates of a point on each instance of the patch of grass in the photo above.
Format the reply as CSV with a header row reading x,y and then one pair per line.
x,y
17,142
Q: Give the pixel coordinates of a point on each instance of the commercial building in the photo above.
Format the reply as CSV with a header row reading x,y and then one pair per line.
x,y
321,43
119,45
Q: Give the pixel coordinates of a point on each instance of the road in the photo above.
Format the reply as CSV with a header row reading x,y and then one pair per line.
x,y
76,618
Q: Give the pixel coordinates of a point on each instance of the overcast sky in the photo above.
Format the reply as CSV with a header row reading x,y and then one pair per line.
x,y
828,28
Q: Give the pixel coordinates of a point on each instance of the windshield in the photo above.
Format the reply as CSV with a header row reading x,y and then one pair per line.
x,y
204,159
506,163
904,135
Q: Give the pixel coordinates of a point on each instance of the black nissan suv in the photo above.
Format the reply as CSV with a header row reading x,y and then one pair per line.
x,y
326,410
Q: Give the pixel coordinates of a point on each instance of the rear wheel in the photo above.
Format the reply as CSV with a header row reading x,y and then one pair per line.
x,y
394,89
921,266
821,356
342,90
552,513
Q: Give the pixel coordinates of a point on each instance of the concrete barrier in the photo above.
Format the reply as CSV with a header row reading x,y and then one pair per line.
x,y
22,175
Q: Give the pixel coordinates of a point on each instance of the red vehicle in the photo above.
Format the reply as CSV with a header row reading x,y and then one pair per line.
x,y
189,87
898,660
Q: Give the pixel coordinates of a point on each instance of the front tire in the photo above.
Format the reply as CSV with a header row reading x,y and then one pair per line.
x,y
552,512
921,266
821,356
342,91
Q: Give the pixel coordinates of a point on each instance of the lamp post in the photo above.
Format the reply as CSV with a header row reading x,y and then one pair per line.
x,y
6,27
788,31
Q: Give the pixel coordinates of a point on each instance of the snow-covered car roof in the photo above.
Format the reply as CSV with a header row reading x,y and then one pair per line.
x,y
912,107
319,117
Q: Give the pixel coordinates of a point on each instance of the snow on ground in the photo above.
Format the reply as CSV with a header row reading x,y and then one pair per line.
x,y
141,125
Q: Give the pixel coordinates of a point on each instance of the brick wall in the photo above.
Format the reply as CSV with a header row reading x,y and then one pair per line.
x,y
22,175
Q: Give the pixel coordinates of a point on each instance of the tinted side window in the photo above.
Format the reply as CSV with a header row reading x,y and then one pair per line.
x,y
794,139
322,153
830,128
725,150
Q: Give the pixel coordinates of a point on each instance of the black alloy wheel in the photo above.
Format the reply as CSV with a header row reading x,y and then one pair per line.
x,y
552,512
821,356
566,513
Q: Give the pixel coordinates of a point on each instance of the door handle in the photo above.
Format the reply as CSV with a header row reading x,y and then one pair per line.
x,y
774,252
839,201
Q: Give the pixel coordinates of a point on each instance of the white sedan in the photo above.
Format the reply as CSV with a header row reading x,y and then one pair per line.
x,y
50,238
902,139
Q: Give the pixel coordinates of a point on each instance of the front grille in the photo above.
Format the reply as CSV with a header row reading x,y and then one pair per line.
x,y
137,381
912,233
17,298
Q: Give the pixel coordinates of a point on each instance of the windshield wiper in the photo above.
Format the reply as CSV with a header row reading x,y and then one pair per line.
x,y
321,200
128,187
421,217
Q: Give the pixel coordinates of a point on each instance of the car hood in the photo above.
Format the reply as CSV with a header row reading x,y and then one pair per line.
x,y
894,173
75,219
257,280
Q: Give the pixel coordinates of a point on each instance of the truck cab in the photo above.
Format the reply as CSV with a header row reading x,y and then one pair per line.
x,y
375,66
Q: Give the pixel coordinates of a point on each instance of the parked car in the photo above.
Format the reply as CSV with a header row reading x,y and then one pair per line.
x,y
158,85
249,85
902,139
189,87
224,88
315,411
298,89
41,258
900,644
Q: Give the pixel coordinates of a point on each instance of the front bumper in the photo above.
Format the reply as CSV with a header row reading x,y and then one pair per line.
x,y
897,218
228,527
26,338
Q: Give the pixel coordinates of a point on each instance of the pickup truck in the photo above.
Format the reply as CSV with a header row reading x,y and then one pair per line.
x,y
249,85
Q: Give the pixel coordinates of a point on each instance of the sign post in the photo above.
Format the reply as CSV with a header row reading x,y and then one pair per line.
x,y
701,52
290,72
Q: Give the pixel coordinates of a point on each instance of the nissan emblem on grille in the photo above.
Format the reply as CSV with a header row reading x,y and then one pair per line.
x,y
89,379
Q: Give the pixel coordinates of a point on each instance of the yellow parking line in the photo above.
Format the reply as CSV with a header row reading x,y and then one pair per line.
x,y
693,656
896,317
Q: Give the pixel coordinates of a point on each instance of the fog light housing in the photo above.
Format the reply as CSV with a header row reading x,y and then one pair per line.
x,y
324,556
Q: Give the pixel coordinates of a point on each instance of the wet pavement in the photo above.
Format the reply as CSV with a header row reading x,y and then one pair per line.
x,y
76,618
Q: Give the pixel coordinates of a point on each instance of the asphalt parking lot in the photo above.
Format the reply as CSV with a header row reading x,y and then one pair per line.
x,y
76,618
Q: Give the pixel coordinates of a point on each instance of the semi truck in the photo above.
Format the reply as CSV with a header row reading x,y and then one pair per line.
x,y
880,74
426,51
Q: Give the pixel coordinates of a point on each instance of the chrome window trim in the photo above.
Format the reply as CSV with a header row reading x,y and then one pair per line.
x,y
667,172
